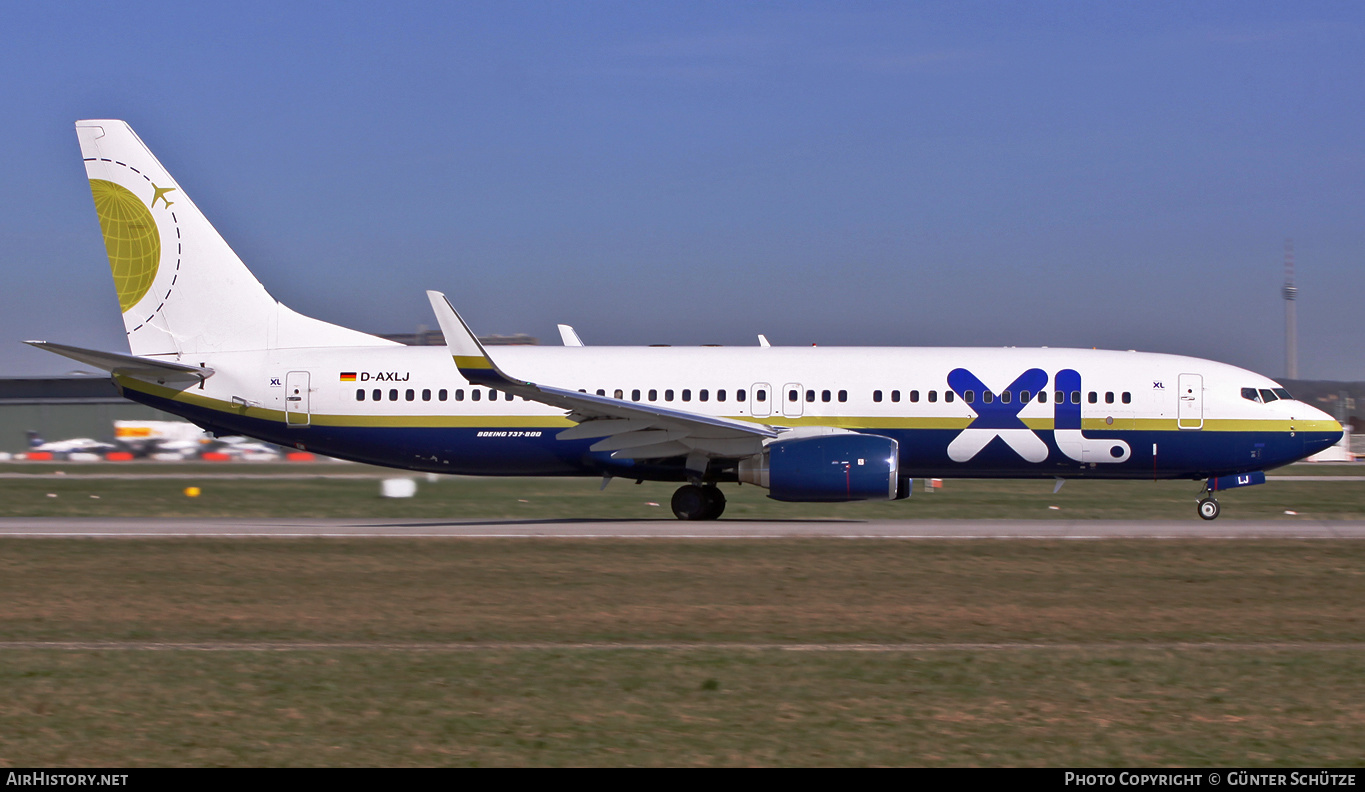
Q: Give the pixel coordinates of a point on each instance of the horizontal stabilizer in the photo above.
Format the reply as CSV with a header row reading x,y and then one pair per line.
x,y
162,371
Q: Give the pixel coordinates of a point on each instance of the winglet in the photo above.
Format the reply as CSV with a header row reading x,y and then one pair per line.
x,y
470,357
568,336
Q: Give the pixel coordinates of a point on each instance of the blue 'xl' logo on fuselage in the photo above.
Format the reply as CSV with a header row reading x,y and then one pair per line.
x,y
998,416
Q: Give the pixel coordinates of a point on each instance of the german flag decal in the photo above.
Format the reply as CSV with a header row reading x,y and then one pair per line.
x,y
348,376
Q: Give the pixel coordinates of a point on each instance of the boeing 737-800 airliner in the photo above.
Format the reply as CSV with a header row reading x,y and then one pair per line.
x,y
209,343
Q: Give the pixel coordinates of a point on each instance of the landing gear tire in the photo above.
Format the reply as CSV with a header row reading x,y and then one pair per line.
x,y
716,501
1208,509
691,502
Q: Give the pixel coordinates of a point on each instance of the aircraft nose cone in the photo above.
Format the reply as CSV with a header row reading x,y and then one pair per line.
x,y
1326,432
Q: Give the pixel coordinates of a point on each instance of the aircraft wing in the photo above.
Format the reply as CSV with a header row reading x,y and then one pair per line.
x,y
630,430
162,371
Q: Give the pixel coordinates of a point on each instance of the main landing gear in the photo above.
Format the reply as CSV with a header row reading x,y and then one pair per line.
x,y
693,502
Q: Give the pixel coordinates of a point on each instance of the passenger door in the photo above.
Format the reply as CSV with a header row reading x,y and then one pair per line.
x,y
296,402
1190,413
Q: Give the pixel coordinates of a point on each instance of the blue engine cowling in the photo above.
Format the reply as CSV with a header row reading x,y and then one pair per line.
x,y
841,467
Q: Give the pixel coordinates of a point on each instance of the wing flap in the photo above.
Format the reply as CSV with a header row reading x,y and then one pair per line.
x,y
604,427
636,439
655,451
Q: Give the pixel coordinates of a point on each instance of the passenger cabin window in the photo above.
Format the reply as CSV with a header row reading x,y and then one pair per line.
x,y
360,395
933,396
441,394
914,396
410,394
843,395
653,395
1127,397
393,394
739,395
1075,397
987,397
1109,397
619,394
1042,397
720,395
635,395
896,396
824,396
376,394
877,396
1094,397
791,395
426,394
967,396
810,395
687,394
703,394
1005,397
474,394
459,394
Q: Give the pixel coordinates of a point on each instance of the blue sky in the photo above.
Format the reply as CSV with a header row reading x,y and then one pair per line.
x,y
1114,174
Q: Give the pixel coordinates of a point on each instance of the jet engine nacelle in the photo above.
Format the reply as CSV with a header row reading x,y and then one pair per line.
x,y
839,467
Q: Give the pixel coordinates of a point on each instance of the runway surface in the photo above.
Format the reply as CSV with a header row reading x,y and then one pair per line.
x,y
673,529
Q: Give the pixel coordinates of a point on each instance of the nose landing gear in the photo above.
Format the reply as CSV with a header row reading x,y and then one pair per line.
x,y
1208,507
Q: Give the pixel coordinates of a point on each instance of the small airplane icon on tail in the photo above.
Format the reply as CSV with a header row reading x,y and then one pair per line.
x,y
160,192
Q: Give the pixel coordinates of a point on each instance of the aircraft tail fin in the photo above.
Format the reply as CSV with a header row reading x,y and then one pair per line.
x,y
181,287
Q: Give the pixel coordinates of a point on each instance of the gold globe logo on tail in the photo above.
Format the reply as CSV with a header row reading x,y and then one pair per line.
x,y
130,238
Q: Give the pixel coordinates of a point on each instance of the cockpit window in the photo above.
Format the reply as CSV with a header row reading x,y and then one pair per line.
x,y
1265,395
